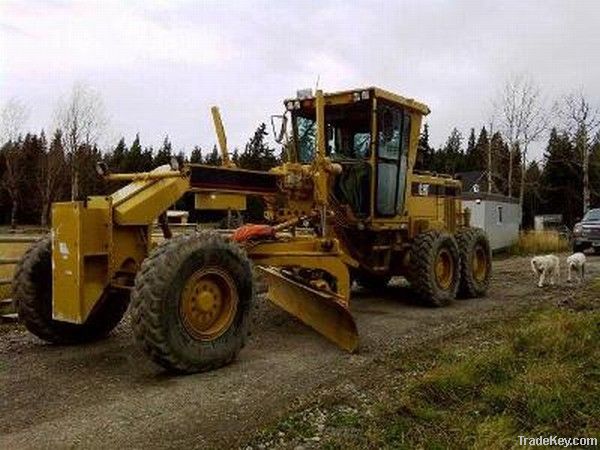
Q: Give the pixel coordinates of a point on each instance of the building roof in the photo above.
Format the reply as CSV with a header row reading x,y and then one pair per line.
x,y
474,181
485,196
475,186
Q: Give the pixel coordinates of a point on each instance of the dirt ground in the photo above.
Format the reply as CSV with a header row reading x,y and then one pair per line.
x,y
109,395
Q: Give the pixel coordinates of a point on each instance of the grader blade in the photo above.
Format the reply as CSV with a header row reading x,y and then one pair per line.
x,y
325,312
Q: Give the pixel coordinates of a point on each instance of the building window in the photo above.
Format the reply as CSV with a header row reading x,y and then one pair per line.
x,y
500,218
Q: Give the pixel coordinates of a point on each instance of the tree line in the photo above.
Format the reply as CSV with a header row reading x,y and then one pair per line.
x,y
36,169
553,185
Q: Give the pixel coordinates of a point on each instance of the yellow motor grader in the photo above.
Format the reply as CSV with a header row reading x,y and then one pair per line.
x,y
345,206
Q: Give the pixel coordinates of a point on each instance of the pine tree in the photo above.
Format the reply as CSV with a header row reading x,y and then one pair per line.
x,y
452,154
52,177
425,157
214,158
196,156
118,156
471,162
235,157
163,156
479,158
500,157
257,154
562,179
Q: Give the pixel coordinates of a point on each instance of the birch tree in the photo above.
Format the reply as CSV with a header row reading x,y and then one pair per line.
x,y
522,117
81,118
581,122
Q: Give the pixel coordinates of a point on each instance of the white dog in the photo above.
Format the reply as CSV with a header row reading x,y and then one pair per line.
x,y
576,263
547,266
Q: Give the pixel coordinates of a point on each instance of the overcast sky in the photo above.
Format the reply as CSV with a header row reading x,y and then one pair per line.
x,y
160,65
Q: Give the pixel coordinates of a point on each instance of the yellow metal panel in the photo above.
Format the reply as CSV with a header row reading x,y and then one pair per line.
x,y
66,265
80,247
324,312
149,200
220,201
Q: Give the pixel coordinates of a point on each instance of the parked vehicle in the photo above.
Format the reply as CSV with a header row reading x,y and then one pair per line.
x,y
586,233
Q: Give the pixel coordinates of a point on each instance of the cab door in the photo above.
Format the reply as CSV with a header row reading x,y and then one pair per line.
x,y
393,129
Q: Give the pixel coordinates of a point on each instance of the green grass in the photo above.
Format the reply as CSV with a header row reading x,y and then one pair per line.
x,y
538,375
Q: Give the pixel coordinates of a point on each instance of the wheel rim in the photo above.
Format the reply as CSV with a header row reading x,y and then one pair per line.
x,y
208,303
444,269
480,263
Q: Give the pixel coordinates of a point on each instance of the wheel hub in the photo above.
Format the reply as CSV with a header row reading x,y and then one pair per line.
x,y
444,269
208,303
480,266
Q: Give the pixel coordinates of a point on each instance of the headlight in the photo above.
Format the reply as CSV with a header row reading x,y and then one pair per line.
x,y
356,96
577,229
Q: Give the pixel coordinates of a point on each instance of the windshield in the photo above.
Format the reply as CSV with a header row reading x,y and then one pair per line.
x,y
593,215
347,130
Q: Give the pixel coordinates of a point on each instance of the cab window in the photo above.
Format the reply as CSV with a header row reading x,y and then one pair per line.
x,y
393,128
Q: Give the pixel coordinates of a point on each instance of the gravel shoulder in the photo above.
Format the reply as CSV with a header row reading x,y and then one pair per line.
x,y
108,394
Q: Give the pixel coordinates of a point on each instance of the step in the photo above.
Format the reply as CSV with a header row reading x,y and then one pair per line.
x,y
12,317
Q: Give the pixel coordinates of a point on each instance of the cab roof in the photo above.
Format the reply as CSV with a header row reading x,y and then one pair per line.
x,y
342,97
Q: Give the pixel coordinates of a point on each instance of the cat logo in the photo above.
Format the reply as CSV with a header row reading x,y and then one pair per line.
x,y
423,189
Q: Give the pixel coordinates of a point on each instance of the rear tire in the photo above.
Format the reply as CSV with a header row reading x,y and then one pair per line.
x,y
32,294
192,301
475,263
434,271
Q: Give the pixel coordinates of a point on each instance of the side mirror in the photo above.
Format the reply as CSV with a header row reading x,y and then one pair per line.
x,y
279,122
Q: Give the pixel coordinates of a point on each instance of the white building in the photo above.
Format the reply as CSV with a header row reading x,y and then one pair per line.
x,y
500,216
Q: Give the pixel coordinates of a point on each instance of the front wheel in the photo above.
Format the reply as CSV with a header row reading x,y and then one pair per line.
x,y
191,302
434,267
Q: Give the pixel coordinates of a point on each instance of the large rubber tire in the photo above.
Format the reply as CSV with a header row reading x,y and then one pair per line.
x,y
475,262
422,273
370,281
157,298
32,296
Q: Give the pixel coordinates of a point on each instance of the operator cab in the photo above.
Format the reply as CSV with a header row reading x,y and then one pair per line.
x,y
358,124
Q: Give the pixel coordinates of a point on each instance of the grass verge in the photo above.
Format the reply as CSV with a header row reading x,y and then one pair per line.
x,y
537,375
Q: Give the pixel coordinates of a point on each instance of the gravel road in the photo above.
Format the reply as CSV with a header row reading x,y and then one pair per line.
x,y
107,394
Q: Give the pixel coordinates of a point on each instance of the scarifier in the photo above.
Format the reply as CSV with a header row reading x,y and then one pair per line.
x,y
345,206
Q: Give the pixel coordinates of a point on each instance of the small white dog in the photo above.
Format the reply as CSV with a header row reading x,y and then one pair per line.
x,y
576,263
547,266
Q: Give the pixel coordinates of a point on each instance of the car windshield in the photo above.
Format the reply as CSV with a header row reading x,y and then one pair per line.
x,y
593,215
